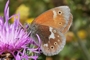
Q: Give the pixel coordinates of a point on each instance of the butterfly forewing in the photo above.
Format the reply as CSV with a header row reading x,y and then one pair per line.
x,y
54,18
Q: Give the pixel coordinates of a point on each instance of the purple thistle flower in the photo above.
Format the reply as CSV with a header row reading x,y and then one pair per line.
x,y
14,39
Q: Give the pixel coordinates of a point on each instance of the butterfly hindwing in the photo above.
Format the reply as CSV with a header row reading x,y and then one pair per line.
x,y
52,40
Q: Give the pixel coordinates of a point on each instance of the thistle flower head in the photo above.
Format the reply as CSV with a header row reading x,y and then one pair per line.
x,y
13,38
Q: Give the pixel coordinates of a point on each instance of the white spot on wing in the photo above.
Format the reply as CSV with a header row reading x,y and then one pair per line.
x,y
54,14
46,45
52,34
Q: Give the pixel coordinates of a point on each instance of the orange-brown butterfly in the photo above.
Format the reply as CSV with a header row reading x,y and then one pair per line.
x,y
51,27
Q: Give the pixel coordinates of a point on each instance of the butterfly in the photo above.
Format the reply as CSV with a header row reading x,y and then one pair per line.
x,y
51,26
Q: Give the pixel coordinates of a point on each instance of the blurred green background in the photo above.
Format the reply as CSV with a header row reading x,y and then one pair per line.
x,y
78,38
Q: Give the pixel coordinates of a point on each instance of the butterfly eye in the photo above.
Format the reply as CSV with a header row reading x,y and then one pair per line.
x,y
52,47
60,23
59,12
55,43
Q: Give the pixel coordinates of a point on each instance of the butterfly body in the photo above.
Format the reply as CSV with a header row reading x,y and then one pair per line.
x,y
51,27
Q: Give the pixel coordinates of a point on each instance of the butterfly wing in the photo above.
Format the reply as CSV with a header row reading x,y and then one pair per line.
x,y
52,40
68,25
58,18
